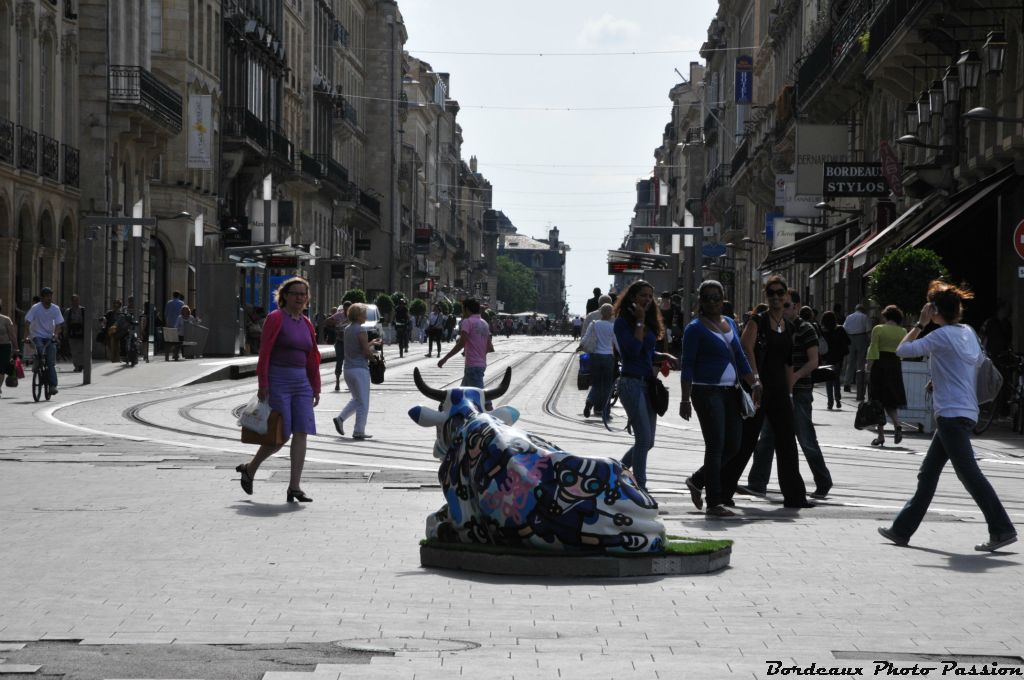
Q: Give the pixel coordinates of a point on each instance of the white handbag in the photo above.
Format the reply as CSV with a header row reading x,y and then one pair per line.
x,y
255,416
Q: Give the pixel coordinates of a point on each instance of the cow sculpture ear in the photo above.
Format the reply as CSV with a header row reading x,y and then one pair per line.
x,y
506,414
425,417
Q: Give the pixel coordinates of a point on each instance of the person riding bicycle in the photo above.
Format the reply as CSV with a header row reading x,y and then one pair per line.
x,y
402,326
45,322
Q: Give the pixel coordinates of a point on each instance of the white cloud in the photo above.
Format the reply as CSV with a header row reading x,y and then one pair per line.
x,y
606,30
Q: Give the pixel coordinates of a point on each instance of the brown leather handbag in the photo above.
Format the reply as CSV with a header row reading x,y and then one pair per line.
x,y
274,435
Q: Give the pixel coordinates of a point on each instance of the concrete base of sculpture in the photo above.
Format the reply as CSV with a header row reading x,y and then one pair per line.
x,y
519,562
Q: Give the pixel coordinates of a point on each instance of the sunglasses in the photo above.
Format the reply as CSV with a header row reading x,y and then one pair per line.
x,y
786,305
778,292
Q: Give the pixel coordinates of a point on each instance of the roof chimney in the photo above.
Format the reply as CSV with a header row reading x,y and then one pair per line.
x,y
472,164
553,238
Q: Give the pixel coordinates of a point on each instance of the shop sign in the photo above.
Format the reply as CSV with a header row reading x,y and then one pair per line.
x,y
853,179
744,79
815,146
1018,239
362,244
890,167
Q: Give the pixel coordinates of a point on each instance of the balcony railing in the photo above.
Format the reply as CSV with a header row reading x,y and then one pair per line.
x,y
892,15
282,148
70,166
817,63
718,177
336,173
28,141
369,202
6,140
739,158
241,123
50,157
312,166
345,112
137,87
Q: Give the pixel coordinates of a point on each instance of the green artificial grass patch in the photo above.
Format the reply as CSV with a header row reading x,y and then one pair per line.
x,y
676,545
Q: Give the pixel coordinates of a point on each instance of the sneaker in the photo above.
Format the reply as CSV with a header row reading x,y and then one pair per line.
x,y
899,540
361,435
747,491
716,511
695,493
339,425
996,542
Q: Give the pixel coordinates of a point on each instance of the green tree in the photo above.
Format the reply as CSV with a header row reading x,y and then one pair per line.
x,y
417,307
385,304
902,277
516,286
446,307
355,295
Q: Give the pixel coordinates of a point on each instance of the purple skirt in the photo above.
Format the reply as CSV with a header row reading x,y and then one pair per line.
x,y
291,395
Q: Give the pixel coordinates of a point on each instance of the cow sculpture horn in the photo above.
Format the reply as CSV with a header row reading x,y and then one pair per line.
x,y
502,388
427,390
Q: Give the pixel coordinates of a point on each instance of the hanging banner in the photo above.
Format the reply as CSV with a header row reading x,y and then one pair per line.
x,y
815,146
744,79
200,132
853,179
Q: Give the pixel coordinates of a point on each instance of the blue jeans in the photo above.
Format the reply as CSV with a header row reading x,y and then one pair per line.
x,y
602,375
50,347
718,410
952,441
473,376
633,396
761,468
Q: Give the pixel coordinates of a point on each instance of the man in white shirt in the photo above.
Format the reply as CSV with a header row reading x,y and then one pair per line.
x,y
45,321
594,315
858,327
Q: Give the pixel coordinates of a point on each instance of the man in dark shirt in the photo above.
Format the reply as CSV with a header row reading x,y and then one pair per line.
x,y
594,302
805,360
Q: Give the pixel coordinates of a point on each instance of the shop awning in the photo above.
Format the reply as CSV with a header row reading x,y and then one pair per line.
x,y
953,215
810,249
850,247
885,236
266,252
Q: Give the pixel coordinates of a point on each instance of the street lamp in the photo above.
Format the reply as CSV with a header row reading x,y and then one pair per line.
x,y
831,208
197,236
914,140
983,114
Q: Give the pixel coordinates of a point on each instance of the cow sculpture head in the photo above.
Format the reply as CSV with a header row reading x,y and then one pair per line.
x,y
456,406
506,486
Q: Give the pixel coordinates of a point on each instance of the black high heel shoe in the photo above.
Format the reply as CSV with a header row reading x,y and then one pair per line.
x,y
246,480
898,436
298,495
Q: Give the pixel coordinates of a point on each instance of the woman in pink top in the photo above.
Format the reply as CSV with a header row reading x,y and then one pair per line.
x,y
289,376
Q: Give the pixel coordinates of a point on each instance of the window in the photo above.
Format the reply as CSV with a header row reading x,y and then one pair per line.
x,y
156,25
199,29
46,79
24,78
191,32
209,37
5,63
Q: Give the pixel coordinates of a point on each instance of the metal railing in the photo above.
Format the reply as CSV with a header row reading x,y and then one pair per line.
x,y
888,20
6,140
282,147
739,158
369,202
242,123
49,153
312,166
346,112
135,86
70,166
28,144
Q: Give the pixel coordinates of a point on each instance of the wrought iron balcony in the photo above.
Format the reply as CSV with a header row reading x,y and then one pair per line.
x,y
6,141
137,88
312,166
70,166
890,17
370,203
739,158
28,143
345,112
282,148
50,157
241,123
336,173
716,179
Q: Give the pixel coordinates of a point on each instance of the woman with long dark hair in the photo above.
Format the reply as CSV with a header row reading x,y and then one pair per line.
x,y
953,352
638,328
712,363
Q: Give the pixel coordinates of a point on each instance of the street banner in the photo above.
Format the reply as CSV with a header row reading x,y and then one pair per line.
x,y
890,167
744,79
200,132
815,146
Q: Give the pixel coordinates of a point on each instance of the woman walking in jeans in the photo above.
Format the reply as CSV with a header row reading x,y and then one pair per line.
x,y
953,353
358,350
601,336
638,327
712,363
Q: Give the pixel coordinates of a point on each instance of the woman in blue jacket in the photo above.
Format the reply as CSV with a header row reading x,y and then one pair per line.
x,y
713,362
638,327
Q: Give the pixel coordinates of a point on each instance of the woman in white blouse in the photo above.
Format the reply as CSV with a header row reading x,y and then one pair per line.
x,y
599,341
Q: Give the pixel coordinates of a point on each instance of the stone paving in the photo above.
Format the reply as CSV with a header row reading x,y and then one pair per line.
x,y
134,553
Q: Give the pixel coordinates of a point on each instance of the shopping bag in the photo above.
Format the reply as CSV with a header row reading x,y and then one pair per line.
x,y
255,415
11,380
19,369
377,368
869,414
274,436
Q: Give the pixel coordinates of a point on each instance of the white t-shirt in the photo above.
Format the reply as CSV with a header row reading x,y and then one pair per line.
x,y
603,333
953,355
43,322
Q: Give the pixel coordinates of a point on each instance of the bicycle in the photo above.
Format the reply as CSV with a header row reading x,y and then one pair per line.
x,y
1010,398
41,374
131,354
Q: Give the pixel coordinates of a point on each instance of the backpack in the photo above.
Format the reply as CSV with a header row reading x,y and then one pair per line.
x,y
989,380
822,342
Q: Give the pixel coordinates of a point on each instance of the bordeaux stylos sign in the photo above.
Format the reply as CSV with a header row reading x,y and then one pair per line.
x,y
854,179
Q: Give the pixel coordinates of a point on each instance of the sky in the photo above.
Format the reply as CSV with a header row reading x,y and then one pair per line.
x,y
574,169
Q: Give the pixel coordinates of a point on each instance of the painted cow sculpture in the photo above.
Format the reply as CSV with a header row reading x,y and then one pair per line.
x,y
505,486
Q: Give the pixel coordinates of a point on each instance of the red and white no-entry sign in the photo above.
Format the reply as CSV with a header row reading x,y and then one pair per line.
x,y
1018,239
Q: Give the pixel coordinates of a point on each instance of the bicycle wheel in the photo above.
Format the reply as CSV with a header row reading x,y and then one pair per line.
x,y
37,384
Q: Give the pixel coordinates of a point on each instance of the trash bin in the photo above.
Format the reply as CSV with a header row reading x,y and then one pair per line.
x,y
916,377
194,343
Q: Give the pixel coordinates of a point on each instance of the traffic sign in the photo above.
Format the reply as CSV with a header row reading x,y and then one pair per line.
x,y
1018,239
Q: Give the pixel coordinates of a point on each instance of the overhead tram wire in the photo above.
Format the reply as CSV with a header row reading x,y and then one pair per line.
x,y
545,53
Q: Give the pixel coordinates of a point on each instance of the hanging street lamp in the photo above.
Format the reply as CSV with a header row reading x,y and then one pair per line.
x,y
969,66
995,52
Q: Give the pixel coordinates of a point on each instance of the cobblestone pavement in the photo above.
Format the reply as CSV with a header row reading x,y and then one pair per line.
x,y
124,528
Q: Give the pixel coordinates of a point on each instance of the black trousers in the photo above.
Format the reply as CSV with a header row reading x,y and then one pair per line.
x,y
778,409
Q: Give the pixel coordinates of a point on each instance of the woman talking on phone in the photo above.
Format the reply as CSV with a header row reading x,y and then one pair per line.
x,y
638,327
953,352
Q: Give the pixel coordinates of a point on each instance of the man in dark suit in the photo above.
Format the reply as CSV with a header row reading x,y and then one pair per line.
x,y
594,302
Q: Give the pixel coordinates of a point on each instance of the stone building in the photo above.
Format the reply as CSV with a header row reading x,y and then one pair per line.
x,y
547,261
39,151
